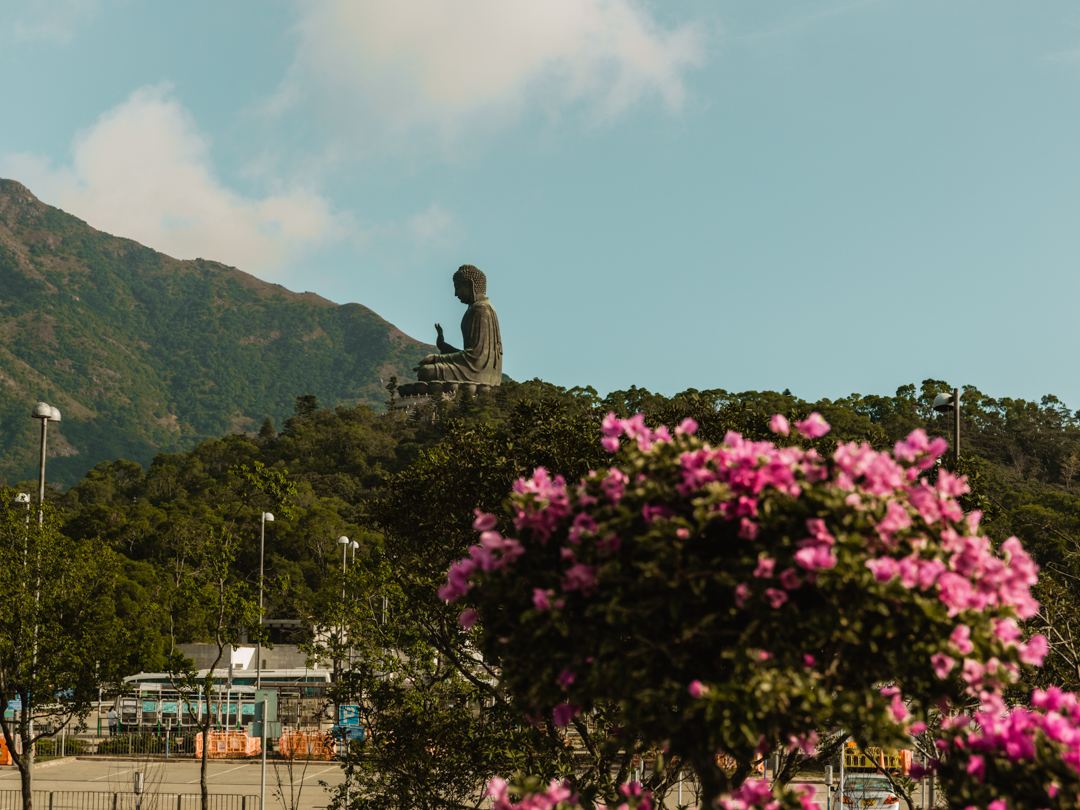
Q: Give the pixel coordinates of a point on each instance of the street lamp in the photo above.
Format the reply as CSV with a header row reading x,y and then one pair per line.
x,y
943,403
46,413
262,549
344,541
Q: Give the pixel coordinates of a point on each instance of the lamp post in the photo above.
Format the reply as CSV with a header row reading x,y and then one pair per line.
x,y
943,403
46,413
262,550
344,541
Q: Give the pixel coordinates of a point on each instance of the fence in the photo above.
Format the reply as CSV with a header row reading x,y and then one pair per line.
x,y
166,745
100,800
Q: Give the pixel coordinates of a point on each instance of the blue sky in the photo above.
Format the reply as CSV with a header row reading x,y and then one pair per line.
x,y
826,196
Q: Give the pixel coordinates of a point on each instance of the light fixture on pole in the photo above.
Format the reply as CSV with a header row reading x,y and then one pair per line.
x,y
46,413
344,541
266,516
943,403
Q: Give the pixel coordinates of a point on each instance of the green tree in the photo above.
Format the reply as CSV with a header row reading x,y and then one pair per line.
x,y
58,629
206,580
306,405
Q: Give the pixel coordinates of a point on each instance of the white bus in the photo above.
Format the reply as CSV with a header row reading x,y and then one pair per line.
x,y
150,701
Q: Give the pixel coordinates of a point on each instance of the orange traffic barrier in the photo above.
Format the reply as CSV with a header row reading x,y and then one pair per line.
x,y
227,744
306,745
5,754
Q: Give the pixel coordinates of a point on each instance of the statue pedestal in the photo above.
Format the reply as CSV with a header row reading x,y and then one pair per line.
x,y
420,393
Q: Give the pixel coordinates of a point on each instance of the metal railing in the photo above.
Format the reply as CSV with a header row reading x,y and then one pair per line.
x,y
166,745
102,800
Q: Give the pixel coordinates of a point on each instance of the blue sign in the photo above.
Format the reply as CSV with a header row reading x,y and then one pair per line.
x,y
349,715
14,705
349,733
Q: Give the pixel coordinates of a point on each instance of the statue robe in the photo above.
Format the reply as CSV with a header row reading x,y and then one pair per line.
x,y
481,359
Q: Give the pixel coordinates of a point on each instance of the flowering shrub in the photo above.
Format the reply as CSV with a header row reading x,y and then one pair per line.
x,y
752,795
557,796
740,597
1026,757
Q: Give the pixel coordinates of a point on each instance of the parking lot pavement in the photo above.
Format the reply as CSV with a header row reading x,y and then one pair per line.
x,y
182,776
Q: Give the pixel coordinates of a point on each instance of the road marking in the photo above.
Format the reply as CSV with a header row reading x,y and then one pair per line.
x,y
114,773
219,773
334,768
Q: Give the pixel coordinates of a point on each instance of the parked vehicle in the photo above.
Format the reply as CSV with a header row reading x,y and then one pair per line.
x,y
867,790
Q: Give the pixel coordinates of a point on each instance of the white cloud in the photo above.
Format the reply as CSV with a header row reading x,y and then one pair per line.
x,y
51,20
143,171
446,64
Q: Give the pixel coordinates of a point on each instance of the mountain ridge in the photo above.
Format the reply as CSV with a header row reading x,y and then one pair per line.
x,y
143,353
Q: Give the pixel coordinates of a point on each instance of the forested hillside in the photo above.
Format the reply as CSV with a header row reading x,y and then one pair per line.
x,y
143,353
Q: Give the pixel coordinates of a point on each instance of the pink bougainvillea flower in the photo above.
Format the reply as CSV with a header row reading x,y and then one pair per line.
x,y
540,599
564,713
566,678
697,689
779,424
484,522
611,425
813,426
765,567
742,593
808,660
687,427
468,618
942,664
1034,651
961,639
776,596
579,577
748,530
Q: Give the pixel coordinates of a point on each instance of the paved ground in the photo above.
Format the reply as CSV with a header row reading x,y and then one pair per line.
x,y
182,776
226,776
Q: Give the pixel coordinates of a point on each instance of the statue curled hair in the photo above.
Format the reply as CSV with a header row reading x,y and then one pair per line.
x,y
475,276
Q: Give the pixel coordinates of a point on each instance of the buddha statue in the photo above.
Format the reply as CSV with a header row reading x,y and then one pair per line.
x,y
480,361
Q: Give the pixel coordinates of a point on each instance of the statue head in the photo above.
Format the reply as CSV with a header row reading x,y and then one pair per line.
x,y
469,283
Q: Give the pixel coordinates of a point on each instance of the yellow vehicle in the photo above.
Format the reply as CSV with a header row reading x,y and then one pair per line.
x,y
876,760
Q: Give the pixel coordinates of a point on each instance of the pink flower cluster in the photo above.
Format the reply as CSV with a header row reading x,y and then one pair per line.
x,y
559,794
548,506
491,553
756,793
995,732
635,428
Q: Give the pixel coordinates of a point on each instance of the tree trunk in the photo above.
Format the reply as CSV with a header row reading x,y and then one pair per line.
x,y
24,775
204,766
